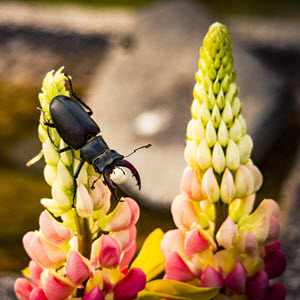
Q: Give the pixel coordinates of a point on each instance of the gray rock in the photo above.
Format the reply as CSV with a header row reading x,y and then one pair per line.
x,y
156,76
7,286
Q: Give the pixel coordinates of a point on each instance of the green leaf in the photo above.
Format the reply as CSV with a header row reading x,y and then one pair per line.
x,y
150,258
176,290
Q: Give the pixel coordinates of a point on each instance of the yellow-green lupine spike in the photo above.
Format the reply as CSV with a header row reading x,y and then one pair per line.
x,y
243,182
195,130
64,177
50,174
232,156
243,124
227,188
236,106
190,153
245,145
204,113
195,109
211,100
221,99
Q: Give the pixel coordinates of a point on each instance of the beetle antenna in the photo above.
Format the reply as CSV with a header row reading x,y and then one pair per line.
x,y
93,185
145,146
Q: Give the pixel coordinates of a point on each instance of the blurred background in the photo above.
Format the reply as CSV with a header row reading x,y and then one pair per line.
x,y
133,62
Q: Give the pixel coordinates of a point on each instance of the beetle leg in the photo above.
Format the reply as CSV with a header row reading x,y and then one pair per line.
x,y
127,164
90,112
54,146
110,185
75,180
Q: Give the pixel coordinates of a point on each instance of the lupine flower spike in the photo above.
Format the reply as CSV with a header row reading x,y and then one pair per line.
x,y
220,242
71,256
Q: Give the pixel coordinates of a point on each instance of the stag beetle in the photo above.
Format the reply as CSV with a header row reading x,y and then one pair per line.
x,y
79,131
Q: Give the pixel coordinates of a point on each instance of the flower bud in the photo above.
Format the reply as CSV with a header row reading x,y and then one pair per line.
x,y
195,130
256,176
218,158
223,134
84,202
232,156
204,155
227,188
195,109
60,196
211,278
215,116
257,285
210,187
100,194
235,131
243,182
190,153
183,213
236,280
190,185
66,156
227,233
64,177
50,174
227,113
52,230
38,294
210,134
236,106
204,113
245,146
276,291
50,154
35,273
275,263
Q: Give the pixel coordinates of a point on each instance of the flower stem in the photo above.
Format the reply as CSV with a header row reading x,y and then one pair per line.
x,y
221,213
85,235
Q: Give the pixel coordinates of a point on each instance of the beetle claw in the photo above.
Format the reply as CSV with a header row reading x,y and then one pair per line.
x,y
126,164
110,185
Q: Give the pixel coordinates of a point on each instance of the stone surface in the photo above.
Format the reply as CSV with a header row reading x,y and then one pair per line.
x,y
156,77
6,286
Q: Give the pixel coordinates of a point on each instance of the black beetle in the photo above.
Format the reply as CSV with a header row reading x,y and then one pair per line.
x,y
79,131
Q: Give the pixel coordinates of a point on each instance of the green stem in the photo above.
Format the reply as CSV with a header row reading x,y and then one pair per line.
x,y
84,235
221,210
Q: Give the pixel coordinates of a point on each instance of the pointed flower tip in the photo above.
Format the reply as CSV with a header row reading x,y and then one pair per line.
x,y
110,253
94,294
211,278
236,280
84,202
23,288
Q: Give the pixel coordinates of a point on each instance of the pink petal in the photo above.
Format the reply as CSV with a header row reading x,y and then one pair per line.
x,y
134,210
94,294
56,290
211,278
272,247
227,233
76,269
53,230
100,194
176,269
274,231
183,213
276,292
110,252
38,294
257,285
190,185
130,285
247,243
275,263
236,280
35,273
84,202
127,256
194,242
23,288
172,240
126,237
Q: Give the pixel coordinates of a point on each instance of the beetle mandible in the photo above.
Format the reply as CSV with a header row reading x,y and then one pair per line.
x,y
79,131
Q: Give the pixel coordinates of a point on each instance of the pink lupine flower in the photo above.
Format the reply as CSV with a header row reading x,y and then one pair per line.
x,y
78,268
56,290
195,242
109,256
276,291
172,240
23,288
84,202
127,256
236,280
227,233
35,273
257,285
42,251
190,185
126,237
128,288
54,231
100,195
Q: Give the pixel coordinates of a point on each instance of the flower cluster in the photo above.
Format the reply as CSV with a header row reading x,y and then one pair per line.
x,y
81,250
220,241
